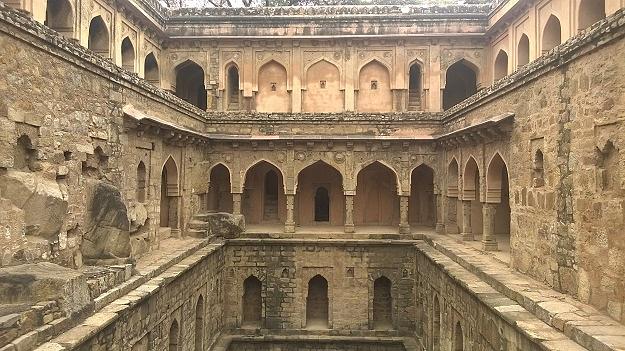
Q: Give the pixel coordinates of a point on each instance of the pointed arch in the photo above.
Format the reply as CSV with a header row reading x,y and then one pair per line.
x,y
498,194
99,37
128,54
523,51
382,303
422,205
452,178
273,90
386,165
199,324
436,324
458,338
141,182
60,17
461,80
589,13
264,199
323,87
317,303
174,336
500,68
151,70
169,194
494,178
252,301
220,189
258,162
538,169
376,201
233,86
190,83
415,85
319,195
470,179
374,87
552,34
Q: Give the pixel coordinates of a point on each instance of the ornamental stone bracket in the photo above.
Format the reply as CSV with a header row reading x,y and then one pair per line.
x,y
483,132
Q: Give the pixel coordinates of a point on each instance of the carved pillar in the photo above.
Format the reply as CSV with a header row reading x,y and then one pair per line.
x,y
440,214
289,225
404,226
349,213
489,241
467,232
236,203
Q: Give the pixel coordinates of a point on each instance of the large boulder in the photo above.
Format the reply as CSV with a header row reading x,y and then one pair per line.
x,y
226,225
108,231
44,202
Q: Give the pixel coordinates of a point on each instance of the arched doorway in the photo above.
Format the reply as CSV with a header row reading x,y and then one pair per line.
x,y
199,324
376,201
319,196
458,338
422,207
414,88
382,304
264,201
453,204
99,37
128,55
497,229
317,303
589,13
233,98
252,301
460,83
436,325
523,51
60,17
374,88
472,207
141,182
219,190
169,195
273,94
190,84
152,73
174,336
323,88
501,65
552,34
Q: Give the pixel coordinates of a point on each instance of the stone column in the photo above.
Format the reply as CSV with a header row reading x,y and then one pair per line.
x,y
349,213
489,241
404,226
467,232
440,214
289,225
236,203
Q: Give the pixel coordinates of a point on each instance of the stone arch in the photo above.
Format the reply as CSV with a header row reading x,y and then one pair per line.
x,y
264,200
256,163
60,17
436,324
500,68
169,194
494,178
199,324
498,195
452,178
141,182
174,336
458,338
523,51
422,204
323,88
382,303
469,186
233,86
376,202
128,54
374,87
317,303
453,201
99,37
415,85
252,302
273,93
151,70
538,169
310,181
383,163
552,34
190,83
471,195
461,81
220,189
589,12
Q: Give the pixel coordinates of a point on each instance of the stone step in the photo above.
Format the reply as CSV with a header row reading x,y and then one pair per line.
x,y
197,233
197,224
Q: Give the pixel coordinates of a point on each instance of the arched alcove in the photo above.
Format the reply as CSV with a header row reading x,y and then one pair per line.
x,y
460,83
319,195
500,69
174,336
422,205
382,304
99,41
60,17
498,193
219,190
199,324
323,88
471,192
190,84
152,72
233,91
128,55
141,182
458,338
376,201
552,34
272,95
252,301
453,208
590,12
24,154
317,303
414,87
374,88
523,51
538,169
264,201
436,325
169,195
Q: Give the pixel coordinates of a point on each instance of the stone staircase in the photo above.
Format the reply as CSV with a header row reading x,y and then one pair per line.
x,y
270,212
233,102
198,226
414,100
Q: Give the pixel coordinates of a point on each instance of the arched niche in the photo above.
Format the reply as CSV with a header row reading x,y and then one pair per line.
x,y
323,88
60,17
317,303
151,70
382,304
141,182
174,336
498,193
415,87
460,83
199,324
219,190
376,201
500,68
273,94
471,192
252,302
552,34
128,55
523,51
233,90
99,41
374,88
264,201
422,205
169,194
190,84
589,13
317,184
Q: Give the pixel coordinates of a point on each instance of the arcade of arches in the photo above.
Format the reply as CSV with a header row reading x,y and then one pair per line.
x,y
437,177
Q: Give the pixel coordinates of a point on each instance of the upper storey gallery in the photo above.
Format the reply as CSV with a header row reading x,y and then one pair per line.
x,y
321,59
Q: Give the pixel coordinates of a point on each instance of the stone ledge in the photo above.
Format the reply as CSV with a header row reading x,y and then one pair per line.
x,y
580,322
